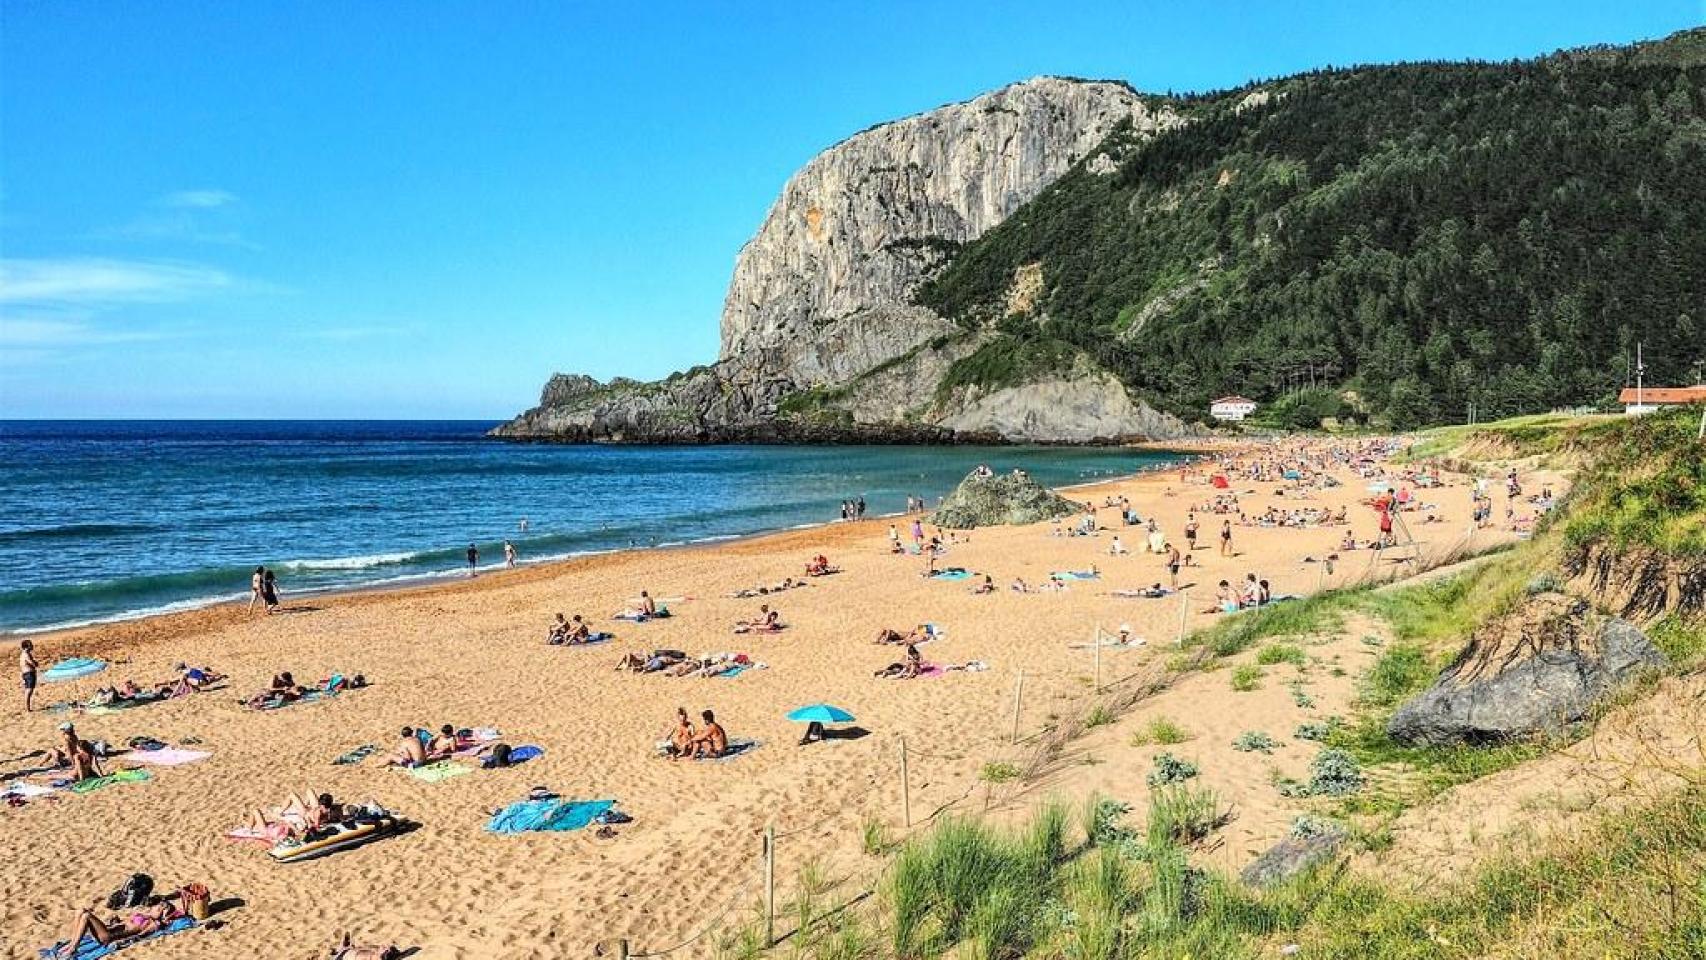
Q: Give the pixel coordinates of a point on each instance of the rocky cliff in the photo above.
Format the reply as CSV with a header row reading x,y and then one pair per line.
x,y
821,337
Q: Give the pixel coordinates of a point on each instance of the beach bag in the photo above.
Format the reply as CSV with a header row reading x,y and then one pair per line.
x,y
197,902
499,757
134,893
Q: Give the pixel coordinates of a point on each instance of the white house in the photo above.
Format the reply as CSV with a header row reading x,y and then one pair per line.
x,y
1647,399
1232,408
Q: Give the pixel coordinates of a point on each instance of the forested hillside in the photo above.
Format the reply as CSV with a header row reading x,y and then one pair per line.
x,y
1414,237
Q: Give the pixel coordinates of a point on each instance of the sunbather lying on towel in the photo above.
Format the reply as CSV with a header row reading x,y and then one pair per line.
x,y
1151,592
126,694
118,929
657,660
300,815
189,680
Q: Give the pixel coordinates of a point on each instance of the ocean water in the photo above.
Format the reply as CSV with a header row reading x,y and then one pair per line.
x,y
107,520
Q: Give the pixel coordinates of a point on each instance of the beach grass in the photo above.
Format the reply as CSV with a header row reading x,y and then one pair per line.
x,y
1630,889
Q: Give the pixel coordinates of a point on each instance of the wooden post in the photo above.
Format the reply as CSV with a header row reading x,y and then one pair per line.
x,y
622,949
1096,644
1321,578
769,885
905,788
1184,611
1018,695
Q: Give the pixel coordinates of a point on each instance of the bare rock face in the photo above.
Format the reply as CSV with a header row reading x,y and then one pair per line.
x,y
1087,405
991,499
1533,671
821,339
860,225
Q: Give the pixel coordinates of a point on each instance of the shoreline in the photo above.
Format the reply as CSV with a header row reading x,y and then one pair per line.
x,y
215,613
470,652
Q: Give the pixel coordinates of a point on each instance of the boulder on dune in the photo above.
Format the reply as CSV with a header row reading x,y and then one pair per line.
x,y
1535,670
1295,854
987,499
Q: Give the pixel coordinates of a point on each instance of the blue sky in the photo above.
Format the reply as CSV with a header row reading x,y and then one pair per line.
x,y
421,210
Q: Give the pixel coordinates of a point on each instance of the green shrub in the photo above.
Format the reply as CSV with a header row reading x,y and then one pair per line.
x,y
1246,677
1401,672
1276,653
1334,773
1181,815
999,772
1318,730
1254,741
1160,730
1170,769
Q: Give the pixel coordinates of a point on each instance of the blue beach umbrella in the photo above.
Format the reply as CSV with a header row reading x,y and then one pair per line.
x,y
820,713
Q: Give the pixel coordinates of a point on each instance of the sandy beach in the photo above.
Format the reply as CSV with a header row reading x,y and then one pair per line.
x,y
473,654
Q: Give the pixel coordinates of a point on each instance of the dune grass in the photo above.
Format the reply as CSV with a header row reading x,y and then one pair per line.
x,y
1160,730
1632,888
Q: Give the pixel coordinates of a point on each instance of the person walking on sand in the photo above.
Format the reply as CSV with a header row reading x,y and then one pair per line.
x,y
1173,565
1226,537
473,561
509,554
255,587
27,670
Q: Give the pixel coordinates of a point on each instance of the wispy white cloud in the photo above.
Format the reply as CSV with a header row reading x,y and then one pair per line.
x,y
94,280
35,334
177,225
200,199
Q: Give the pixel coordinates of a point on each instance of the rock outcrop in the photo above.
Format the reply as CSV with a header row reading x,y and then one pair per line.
x,y
1297,853
1531,672
987,499
821,337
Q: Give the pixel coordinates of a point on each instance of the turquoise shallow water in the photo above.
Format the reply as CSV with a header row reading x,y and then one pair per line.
x,y
103,520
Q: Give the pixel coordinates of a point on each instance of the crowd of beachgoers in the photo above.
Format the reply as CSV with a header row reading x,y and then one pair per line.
x,y
1188,529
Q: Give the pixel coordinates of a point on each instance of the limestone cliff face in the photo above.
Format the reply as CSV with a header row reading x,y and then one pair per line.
x,y
821,339
859,226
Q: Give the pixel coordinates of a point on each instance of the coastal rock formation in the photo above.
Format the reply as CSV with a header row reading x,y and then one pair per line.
x,y
821,337
1533,671
991,499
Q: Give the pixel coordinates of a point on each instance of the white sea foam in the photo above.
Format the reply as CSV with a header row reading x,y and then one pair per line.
x,y
349,563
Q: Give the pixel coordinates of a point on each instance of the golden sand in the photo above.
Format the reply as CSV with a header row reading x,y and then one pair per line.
x,y
472,654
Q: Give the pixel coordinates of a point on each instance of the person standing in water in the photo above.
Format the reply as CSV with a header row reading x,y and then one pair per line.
x,y
509,554
522,526
27,669
473,561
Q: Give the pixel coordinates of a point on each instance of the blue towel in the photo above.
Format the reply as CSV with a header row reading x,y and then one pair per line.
x,y
90,949
735,670
547,815
952,575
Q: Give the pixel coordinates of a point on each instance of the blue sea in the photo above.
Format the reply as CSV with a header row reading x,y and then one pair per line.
x,y
104,520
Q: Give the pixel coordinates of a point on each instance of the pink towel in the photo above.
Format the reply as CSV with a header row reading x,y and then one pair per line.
x,y
168,756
